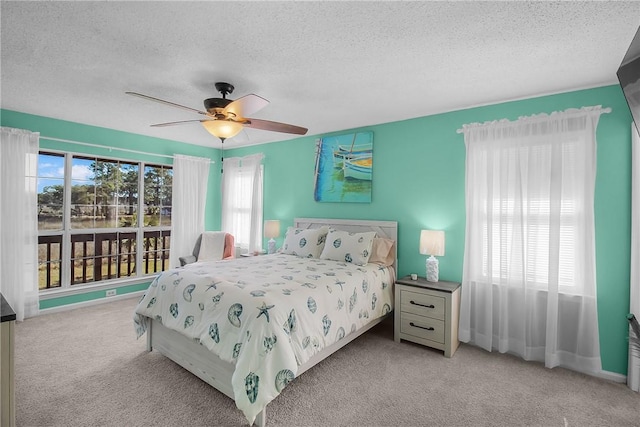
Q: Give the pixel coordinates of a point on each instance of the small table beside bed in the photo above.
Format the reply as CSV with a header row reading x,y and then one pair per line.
x,y
250,326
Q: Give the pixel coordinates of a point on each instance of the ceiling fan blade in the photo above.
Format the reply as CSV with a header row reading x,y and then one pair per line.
x,y
159,125
247,105
274,126
162,101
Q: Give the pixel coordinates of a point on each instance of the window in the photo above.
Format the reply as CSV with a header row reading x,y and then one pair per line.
x,y
529,267
520,244
158,184
50,211
94,214
507,257
242,200
241,207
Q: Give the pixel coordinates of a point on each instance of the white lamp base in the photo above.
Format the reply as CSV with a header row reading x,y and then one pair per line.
x,y
271,248
432,269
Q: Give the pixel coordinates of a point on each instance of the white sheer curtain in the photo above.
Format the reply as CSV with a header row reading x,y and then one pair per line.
x,y
633,371
18,222
529,283
242,200
189,198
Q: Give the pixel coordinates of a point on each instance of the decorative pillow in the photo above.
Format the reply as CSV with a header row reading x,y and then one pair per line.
x,y
382,252
348,247
304,242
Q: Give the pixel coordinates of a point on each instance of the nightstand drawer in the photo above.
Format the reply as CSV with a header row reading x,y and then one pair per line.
x,y
422,327
422,304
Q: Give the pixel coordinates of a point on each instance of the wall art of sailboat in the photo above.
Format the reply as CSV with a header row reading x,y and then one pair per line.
x,y
358,168
349,152
343,168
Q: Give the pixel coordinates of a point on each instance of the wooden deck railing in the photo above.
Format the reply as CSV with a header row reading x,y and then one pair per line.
x,y
102,256
156,246
50,277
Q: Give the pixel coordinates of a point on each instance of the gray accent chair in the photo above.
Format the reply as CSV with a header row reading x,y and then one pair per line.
x,y
189,259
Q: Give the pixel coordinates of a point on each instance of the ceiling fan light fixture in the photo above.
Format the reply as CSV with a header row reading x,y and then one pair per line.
x,y
225,118
222,128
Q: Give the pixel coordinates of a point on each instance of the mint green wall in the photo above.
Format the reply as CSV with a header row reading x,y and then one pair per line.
x,y
418,180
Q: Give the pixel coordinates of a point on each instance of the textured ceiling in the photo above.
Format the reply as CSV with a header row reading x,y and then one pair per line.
x,y
326,66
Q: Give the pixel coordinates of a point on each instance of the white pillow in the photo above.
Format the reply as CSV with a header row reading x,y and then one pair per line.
x,y
304,242
348,247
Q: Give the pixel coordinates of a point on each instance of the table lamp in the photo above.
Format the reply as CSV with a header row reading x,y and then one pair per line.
x,y
432,244
271,230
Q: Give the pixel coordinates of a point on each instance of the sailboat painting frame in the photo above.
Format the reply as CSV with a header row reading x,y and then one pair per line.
x,y
344,168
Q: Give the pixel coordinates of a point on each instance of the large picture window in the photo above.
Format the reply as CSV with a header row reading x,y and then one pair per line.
x,y
101,219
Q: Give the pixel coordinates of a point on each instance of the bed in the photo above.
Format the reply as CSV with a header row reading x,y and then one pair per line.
x,y
250,326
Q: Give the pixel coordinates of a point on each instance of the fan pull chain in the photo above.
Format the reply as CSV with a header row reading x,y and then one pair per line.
x,y
222,156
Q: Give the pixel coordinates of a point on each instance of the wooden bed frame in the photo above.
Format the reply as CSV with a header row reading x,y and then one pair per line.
x,y
216,372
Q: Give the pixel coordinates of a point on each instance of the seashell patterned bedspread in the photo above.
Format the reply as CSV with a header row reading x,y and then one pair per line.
x,y
266,314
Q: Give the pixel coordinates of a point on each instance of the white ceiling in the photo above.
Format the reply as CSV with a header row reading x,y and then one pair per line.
x,y
326,66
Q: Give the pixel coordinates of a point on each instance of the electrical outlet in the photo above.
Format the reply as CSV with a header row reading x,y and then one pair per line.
x,y
111,292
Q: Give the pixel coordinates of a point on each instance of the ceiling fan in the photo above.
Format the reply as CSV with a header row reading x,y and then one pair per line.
x,y
225,118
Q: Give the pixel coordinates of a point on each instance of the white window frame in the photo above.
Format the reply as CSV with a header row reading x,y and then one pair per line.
x,y
240,233
66,232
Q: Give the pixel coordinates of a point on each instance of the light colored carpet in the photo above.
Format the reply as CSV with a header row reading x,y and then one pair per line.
x,y
85,368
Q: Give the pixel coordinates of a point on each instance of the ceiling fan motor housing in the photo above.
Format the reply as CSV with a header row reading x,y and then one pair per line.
x,y
213,105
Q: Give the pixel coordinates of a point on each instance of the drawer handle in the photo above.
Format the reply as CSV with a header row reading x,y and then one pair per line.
x,y
421,327
422,305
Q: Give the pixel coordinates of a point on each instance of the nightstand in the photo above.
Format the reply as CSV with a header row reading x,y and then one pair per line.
x,y
427,313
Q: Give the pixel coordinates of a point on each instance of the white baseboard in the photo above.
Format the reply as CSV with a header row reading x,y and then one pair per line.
x,y
89,303
611,376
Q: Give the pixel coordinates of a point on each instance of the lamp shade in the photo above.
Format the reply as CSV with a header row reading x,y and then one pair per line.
x,y
222,128
271,228
432,242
